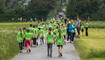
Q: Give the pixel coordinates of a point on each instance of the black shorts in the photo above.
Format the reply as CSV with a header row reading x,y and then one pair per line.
x,y
59,45
64,36
34,40
82,30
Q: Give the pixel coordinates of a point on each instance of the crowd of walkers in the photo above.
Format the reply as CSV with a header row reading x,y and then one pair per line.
x,y
57,32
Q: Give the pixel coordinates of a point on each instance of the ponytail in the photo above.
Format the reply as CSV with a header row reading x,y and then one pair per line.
x,y
21,32
50,31
59,33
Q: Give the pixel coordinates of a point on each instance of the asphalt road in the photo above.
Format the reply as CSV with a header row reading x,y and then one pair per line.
x,y
40,53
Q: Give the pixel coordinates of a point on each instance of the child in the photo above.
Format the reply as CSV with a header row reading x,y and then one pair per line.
x,y
64,34
72,31
36,32
50,42
82,29
41,36
24,31
60,38
28,37
20,39
31,31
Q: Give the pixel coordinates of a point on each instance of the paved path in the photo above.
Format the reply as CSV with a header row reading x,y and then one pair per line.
x,y
40,53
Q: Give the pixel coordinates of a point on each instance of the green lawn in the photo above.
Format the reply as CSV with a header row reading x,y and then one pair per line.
x,y
93,46
97,24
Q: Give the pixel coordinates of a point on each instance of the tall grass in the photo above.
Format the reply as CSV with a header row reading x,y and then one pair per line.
x,y
97,24
92,47
8,45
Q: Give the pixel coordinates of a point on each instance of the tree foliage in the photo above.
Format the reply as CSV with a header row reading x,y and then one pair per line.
x,y
95,9
35,9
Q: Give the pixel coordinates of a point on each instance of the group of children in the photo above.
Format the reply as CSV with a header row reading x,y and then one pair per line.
x,y
54,32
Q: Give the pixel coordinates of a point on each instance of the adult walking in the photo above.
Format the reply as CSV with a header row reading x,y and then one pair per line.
x,y
68,32
86,27
72,31
78,25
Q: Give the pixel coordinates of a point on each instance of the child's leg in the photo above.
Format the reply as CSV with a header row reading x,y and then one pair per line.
x,y
20,46
42,40
59,50
23,42
29,45
48,49
86,31
73,34
26,45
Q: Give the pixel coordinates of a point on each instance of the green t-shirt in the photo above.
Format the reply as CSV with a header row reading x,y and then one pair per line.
x,y
39,25
86,24
41,33
52,26
64,31
59,40
50,38
19,37
31,30
24,31
82,27
56,31
28,36
36,30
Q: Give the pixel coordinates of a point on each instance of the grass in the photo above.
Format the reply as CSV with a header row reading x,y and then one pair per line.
x,y
8,45
97,24
93,46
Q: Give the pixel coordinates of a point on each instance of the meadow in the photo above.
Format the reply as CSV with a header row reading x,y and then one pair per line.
x,y
92,47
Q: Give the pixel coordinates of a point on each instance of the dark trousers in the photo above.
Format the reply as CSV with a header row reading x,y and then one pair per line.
x,y
68,36
34,41
78,30
42,40
72,36
23,41
86,31
20,46
49,49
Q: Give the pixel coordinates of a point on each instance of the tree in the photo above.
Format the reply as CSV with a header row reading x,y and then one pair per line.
x,y
85,9
41,8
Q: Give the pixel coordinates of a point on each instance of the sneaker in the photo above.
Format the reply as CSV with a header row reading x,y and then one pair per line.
x,y
29,50
61,54
20,51
50,56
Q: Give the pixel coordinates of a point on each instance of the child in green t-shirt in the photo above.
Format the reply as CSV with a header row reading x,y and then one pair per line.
x,y
20,39
24,31
28,37
50,42
35,35
41,35
59,38
31,31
